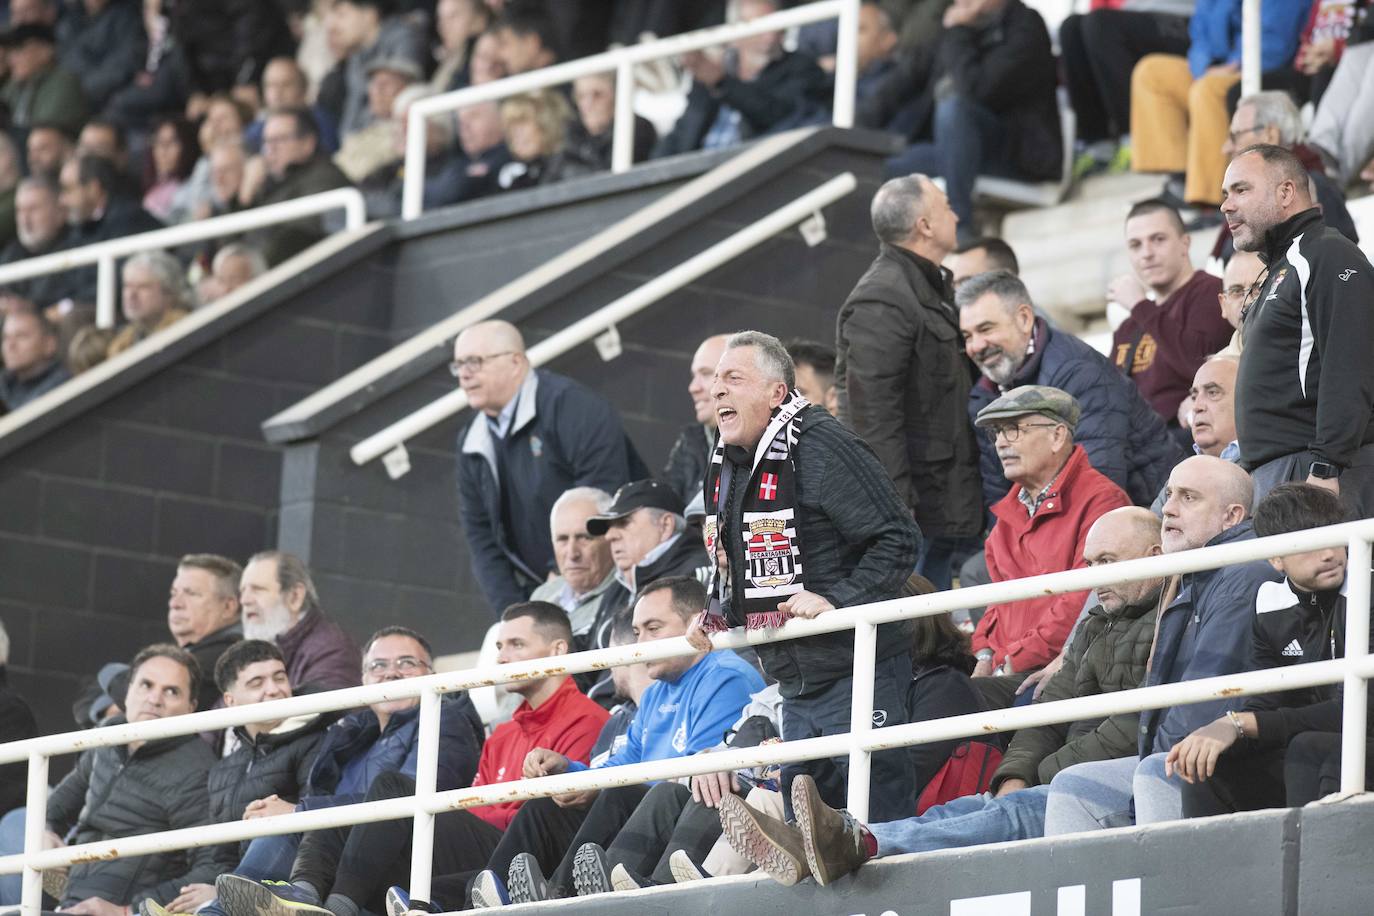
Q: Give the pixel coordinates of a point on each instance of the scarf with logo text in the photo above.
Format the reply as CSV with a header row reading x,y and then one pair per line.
x,y
767,526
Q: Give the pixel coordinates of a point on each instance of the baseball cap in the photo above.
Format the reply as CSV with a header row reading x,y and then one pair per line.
x,y
641,494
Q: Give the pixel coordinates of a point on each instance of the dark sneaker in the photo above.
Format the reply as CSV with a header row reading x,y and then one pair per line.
x,y
525,883
489,891
246,897
684,869
835,843
398,903
769,843
590,874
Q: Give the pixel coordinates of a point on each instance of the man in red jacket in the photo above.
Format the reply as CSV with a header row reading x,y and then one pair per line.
x,y
1041,526
554,715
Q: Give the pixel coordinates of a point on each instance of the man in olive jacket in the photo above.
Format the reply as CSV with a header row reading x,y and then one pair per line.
x,y
900,372
144,787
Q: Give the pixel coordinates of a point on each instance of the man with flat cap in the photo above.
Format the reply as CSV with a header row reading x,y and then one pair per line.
x,y
1041,526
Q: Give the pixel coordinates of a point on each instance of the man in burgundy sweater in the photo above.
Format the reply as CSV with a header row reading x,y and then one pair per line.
x,y
1174,321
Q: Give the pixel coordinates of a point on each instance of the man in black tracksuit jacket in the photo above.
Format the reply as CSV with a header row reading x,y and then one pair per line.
x,y
1305,390
1283,748
858,543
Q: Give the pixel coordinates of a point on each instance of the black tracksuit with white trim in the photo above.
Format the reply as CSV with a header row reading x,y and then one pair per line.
x,y
1306,380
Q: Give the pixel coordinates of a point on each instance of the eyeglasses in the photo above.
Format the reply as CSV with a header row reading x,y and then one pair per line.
x,y
406,664
474,363
1237,291
1235,135
1012,431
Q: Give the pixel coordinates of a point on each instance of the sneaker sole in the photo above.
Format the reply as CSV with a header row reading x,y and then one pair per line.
x,y
243,897
683,868
804,798
485,894
589,874
743,833
394,905
520,883
621,880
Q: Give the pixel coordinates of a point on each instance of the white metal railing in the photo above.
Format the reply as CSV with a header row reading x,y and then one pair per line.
x,y
1354,669
104,254
623,61
579,332
1250,69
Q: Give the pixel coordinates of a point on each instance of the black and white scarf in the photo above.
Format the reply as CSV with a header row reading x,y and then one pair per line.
x,y
767,526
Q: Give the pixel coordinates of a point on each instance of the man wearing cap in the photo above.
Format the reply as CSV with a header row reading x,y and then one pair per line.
x,y
38,90
1041,527
370,148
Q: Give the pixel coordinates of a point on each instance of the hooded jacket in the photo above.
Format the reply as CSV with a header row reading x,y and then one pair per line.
x,y
1031,632
858,544
562,435
1108,654
1306,380
902,380
1203,632
567,722
1125,439
113,793
274,763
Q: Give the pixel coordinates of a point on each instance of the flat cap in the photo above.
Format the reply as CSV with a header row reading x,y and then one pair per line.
x,y
1053,403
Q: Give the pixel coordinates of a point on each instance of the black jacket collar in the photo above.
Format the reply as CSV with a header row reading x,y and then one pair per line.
x,y
1278,238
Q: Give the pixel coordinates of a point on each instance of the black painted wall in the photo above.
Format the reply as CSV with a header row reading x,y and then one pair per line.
x,y
393,550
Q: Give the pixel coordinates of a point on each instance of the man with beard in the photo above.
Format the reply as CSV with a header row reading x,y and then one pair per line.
x,y
1125,439
1306,383
280,605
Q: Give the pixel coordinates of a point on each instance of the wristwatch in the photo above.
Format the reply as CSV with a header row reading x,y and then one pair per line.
x,y
983,655
1324,470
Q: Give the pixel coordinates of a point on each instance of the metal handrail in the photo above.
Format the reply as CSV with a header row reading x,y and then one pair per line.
x,y
623,61
590,327
105,253
1354,669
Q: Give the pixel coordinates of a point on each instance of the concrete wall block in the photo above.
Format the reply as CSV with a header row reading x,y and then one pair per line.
x,y
42,573
134,586
200,526
98,514
19,496
158,459
249,474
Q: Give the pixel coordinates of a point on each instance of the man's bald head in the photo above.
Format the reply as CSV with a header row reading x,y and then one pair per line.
x,y
703,372
496,333
1204,497
1128,533
490,364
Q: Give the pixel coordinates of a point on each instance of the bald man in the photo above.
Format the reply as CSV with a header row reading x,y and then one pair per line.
x,y
1305,394
1204,631
900,378
687,462
536,435
1108,654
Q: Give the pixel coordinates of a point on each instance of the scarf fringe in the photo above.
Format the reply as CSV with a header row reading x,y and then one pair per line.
x,y
767,621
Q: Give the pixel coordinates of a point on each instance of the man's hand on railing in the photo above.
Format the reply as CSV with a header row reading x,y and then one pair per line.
x,y
192,898
805,604
710,788
52,841
543,762
697,637
263,807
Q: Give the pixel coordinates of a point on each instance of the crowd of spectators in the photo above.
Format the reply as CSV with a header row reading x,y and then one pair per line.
x,y
952,434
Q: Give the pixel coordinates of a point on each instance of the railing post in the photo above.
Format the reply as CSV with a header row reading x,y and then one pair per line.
x,y
413,185
35,824
105,292
861,716
1250,47
623,127
426,775
1354,714
846,64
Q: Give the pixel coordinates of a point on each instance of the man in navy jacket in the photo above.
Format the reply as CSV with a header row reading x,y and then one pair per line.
x,y
536,435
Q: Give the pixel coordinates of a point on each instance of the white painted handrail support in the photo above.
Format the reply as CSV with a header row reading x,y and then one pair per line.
x,y
104,254
1353,671
621,62
1250,62
586,329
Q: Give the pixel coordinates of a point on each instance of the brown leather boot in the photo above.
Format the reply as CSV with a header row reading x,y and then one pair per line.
x,y
769,843
834,843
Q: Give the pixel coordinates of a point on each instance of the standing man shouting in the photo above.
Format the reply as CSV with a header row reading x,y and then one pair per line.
x,y
901,377
802,519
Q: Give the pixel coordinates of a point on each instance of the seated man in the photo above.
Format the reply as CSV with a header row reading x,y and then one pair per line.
x,y
691,703
280,604
1125,439
32,364
1109,654
1173,322
296,166
1212,417
585,584
1041,527
1278,749
1204,631
155,296
351,868
41,228
148,787
993,81
758,88
356,751
266,773
203,617
1240,285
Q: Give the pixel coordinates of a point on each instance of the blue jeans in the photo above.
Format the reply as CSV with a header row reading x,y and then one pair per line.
x,y
969,821
1112,793
11,843
969,140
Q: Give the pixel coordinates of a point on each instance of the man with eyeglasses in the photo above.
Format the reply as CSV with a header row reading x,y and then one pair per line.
x,y
356,751
1211,414
1042,524
536,435
1240,282
296,167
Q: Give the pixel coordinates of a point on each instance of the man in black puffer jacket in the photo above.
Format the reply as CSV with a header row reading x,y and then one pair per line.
x,y
146,787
